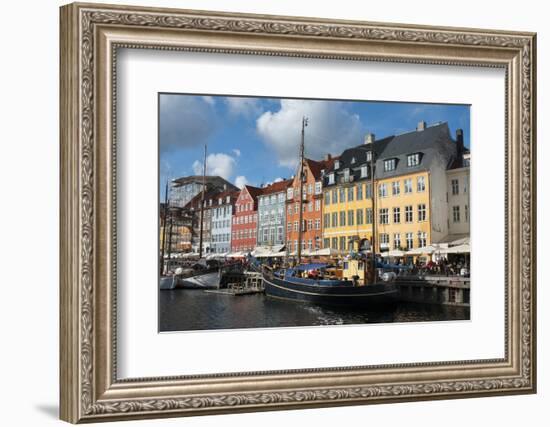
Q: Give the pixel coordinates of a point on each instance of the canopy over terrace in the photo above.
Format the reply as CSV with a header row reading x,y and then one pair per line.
x,y
460,249
396,253
268,251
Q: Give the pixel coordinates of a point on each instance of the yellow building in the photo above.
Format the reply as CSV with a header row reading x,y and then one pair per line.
x,y
410,200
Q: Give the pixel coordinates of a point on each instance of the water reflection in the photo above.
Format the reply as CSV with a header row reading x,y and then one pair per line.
x,y
186,310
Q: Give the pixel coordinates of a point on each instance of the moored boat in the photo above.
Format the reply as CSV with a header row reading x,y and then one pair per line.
x,y
299,285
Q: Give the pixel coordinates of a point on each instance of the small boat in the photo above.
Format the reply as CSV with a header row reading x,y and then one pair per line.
x,y
299,285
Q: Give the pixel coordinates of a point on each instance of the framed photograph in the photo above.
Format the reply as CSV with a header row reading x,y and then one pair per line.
x,y
266,212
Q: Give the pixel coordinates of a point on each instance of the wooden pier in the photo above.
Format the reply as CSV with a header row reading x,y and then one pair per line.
x,y
252,284
435,290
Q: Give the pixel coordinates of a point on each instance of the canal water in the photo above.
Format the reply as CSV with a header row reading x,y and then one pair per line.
x,y
194,309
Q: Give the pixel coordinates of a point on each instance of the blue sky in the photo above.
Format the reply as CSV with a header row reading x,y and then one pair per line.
x,y
256,140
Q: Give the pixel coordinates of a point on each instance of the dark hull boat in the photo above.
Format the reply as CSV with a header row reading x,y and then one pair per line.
x,y
328,292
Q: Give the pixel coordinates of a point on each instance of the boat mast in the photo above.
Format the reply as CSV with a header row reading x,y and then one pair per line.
x,y
202,202
164,229
373,202
301,175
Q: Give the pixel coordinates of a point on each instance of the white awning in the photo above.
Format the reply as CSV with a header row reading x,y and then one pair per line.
x,y
460,249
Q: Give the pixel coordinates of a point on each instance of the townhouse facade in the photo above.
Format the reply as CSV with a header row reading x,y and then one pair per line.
x,y
310,188
244,227
221,221
271,214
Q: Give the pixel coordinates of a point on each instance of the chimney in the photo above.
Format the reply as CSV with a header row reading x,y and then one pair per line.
x,y
421,125
459,143
328,157
369,138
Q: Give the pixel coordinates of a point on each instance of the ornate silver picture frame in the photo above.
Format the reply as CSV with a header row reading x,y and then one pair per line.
x,y
91,35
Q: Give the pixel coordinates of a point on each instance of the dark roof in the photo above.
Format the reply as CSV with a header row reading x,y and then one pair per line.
x,y
276,187
253,191
316,166
434,143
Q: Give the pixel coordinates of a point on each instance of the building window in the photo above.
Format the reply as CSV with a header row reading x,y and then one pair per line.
x,y
326,220
384,240
360,192
351,191
368,191
317,224
368,216
382,190
310,189
409,240
295,225
336,164
342,243
334,243
346,175
359,215
395,188
289,209
334,196
396,215
369,156
422,212
383,216
351,217
326,243
342,218
408,214
456,213
389,165
318,188
310,207
466,213
408,185
364,172
289,227
309,224
454,186
335,219
420,184
413,160
327,198
397,241
342,195
317,242
422,239
466,184
331,178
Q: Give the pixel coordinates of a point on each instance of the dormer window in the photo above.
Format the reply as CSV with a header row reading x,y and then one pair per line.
x,y
336,164
353,160
331,178
369,156
364,171
346,175
389,165
413,160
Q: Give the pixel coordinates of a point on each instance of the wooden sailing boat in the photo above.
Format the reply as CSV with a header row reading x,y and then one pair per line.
x,y
313,282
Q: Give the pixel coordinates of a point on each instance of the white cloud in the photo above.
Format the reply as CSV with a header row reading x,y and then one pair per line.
x,y
185,121
332,128
216,164
237,152
247,107
209,100
241,181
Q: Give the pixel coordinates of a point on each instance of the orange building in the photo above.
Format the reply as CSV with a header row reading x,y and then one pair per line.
x,y
312,211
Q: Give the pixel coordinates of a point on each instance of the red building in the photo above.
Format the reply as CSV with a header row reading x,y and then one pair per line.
x,y
245,220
